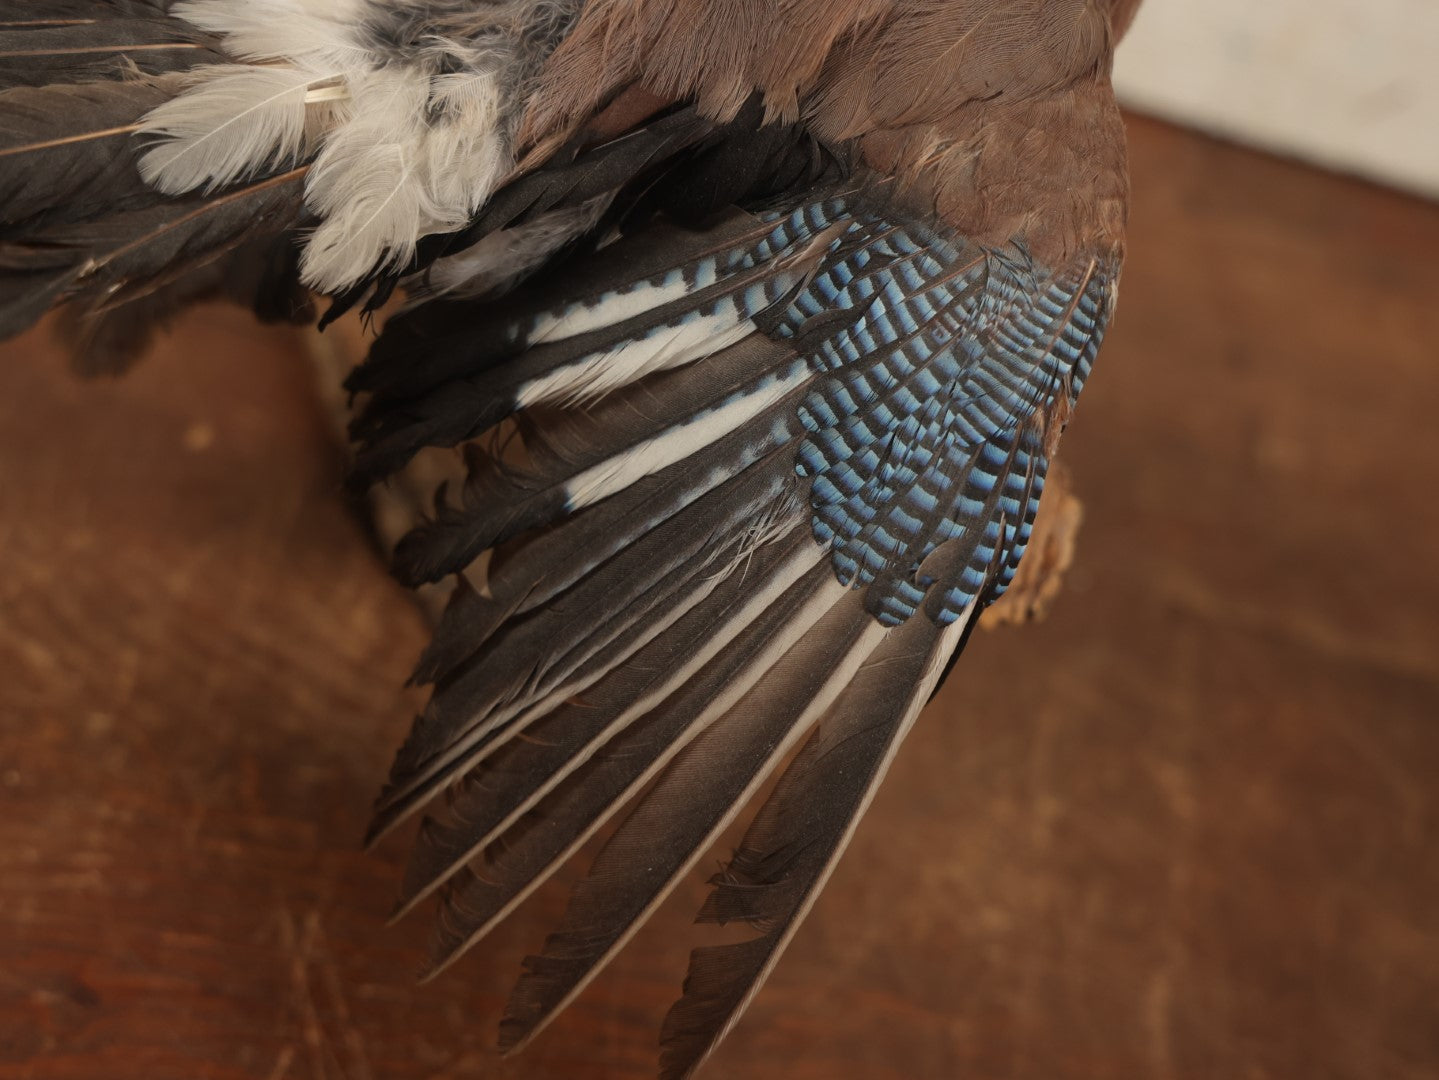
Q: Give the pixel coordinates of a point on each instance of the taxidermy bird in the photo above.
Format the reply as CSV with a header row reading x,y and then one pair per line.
x,y
758,322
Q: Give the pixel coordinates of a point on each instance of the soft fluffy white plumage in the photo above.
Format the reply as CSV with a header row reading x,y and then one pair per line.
x,y
237,122
318,35
408,145
465,149
369,182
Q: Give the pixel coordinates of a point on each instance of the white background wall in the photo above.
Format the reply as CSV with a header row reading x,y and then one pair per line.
x,y
1351,84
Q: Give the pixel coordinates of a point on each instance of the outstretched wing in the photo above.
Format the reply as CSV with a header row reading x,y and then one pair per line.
x,y
763,489
758,339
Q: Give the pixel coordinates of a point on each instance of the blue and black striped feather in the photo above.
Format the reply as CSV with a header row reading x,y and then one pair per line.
x,y
941,371
925,382
928,424
924,441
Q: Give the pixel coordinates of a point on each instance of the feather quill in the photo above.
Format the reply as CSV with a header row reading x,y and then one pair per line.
x,y
122,255
108,49
107,333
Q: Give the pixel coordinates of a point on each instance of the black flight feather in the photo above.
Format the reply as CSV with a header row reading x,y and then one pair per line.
x,y
108,49
595,724
532,849
562,645
108,334
393,428
122,256
67,151
499,501
699,793
798,835
20,14
423,349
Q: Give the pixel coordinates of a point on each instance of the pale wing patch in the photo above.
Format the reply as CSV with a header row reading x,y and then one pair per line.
x,y
239,121
410,113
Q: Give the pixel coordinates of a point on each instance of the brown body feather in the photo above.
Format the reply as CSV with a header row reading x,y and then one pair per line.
x,y
996,116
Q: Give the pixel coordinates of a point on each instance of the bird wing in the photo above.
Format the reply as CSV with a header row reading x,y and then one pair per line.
x,y
757,325
762,490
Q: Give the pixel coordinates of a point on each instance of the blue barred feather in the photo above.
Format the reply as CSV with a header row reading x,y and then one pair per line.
x,y
924,426
938,371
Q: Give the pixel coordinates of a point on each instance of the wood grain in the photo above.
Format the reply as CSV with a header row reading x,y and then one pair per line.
x,y
1186,828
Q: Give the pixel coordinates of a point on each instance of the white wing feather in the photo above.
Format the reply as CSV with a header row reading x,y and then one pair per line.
x,y
239,121
406,145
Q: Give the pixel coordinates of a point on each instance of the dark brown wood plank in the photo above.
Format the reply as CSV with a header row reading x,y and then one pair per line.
x,y
1186,828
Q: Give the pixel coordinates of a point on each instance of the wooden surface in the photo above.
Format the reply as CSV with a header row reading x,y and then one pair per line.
x,y
1186,828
